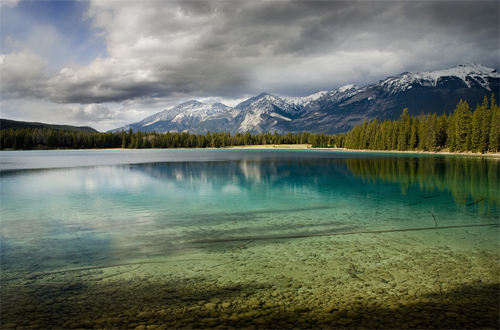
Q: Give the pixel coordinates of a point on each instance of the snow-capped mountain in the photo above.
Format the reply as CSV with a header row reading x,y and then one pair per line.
x,y
266,112
333,111
191,116
469,74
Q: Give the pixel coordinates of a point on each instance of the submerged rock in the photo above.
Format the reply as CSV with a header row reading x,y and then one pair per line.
x,y
210,306
352,315
146,315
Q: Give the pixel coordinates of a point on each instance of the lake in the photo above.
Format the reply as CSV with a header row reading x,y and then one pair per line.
x,y
230,238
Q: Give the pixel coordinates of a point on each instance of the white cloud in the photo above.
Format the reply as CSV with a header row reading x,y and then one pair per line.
x,y
22,75
99,116
47,43
9,3
160,53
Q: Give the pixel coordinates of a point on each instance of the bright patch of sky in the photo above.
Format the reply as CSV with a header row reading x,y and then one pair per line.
x,y
56,31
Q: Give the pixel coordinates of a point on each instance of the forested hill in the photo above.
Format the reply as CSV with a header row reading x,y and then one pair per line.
x,y
461,131
14,124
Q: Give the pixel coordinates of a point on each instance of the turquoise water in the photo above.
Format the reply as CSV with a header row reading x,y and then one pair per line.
x,y
197,230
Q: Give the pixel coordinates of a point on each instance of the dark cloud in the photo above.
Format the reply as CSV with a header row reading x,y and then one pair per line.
x,y
176,50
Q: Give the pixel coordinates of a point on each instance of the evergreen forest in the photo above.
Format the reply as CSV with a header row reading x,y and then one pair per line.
x,y
463,130
28,139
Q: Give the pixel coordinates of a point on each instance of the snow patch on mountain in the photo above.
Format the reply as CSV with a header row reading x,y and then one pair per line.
x,y
302,101
152,122
342,93
465,72
275,115
346,88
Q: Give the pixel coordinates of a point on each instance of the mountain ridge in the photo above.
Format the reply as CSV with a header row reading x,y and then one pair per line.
x,y
334,111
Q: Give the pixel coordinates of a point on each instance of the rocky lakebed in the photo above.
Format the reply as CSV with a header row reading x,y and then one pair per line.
x,y
393,280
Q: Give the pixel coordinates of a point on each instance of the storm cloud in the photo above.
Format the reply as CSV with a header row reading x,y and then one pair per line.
x,y
162,52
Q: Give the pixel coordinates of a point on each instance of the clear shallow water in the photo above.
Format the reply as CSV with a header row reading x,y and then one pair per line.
x,y
83,224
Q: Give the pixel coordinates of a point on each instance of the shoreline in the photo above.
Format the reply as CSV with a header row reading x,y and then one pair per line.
x,y
476,154
308,146
274,146
300,147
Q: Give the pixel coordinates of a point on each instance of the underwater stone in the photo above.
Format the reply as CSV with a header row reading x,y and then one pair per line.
x,y
146,315
75,325
302,309
209,320
328,309
29,308
254,302
210,306
352,315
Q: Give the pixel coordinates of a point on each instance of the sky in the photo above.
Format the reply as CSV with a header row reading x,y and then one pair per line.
x,y
105,64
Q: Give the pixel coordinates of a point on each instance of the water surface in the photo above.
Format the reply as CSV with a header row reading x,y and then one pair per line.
x,y
271,238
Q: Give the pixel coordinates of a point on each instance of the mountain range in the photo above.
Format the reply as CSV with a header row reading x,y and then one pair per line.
x,y
334,111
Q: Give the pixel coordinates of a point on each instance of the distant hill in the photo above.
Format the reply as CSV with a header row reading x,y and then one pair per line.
x,y
14,124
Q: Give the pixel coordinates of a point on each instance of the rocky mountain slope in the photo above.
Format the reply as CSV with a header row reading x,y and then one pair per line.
x,y
333,111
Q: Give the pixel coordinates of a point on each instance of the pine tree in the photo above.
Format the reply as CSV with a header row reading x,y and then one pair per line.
x,y
477,121
124,141
441,129
371,132
404,130
486,128
494,137
430,138
364,139
414,138
461,126
421,132
384,136
479,129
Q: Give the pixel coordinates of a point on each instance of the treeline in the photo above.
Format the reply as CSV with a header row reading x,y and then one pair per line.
x,y
461,131
29,138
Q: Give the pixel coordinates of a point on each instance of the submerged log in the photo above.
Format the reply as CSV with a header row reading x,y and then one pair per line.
x,y
433,218
474,203
261,238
